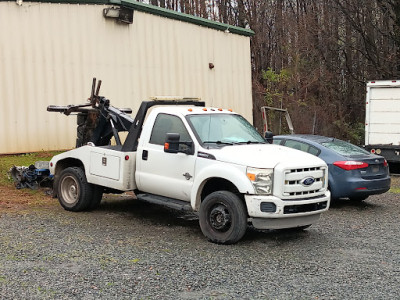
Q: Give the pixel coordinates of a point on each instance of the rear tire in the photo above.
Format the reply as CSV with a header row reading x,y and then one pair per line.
x,y
74,192
223,217
97,196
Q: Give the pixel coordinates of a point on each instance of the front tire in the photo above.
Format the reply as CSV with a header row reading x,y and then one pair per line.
x,y
223,217
74,192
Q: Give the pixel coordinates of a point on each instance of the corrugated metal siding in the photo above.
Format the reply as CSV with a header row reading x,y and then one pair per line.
x,y
49,54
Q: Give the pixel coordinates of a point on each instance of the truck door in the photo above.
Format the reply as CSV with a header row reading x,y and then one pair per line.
x,y
161,173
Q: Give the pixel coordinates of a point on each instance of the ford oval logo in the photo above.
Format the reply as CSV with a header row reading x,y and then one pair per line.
x,y
308,181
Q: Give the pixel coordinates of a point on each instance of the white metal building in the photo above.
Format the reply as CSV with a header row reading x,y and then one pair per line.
x,y
51,50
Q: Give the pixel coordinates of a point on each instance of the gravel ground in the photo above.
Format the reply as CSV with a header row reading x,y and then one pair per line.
x,y
132,250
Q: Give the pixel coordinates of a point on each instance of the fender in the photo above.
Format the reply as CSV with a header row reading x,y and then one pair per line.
x,y
207,169
81,154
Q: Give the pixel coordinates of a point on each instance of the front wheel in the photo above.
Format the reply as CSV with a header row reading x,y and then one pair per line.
x,y
74,192
223,217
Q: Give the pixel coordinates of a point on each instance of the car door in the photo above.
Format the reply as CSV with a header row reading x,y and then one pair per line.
x,y
161,173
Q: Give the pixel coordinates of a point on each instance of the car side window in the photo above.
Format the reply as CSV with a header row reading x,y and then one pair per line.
x,y
277,141
302,147
314,151
168,124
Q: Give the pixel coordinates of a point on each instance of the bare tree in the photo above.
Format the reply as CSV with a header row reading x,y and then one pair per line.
x,y
313,56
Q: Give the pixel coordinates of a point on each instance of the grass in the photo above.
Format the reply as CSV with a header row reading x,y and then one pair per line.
x,y
395,186
12,199
26,159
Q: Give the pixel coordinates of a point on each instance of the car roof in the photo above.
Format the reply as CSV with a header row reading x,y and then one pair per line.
x,y
309,137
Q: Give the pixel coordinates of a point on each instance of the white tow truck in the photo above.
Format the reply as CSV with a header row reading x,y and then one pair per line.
x,y
187,156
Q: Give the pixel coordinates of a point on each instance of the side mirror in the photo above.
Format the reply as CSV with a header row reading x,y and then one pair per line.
x,y
269,137
173,145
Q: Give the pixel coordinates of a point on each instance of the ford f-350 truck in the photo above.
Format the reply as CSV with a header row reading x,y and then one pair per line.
x,y
184,155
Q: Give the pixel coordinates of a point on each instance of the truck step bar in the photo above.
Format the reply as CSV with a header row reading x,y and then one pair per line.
x,y
166,202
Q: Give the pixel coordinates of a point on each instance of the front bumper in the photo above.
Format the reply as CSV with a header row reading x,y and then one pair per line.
x,y
270,212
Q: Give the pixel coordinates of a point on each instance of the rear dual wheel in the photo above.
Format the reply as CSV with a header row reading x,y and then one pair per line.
x,y
75,193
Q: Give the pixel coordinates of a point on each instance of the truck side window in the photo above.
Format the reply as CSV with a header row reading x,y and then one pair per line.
x,y
168,124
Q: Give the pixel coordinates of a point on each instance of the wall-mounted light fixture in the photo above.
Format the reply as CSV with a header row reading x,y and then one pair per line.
x,y
111,12
121,14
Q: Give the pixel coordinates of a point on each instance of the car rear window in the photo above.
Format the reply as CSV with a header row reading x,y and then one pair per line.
x,y
344,148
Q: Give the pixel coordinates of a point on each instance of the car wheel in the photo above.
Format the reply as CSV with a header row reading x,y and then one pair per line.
x,y
223,217
74,192
358,198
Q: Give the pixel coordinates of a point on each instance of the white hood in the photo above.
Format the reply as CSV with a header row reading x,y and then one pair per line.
x,y
264,156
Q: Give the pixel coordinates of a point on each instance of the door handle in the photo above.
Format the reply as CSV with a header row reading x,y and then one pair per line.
x,y
145,154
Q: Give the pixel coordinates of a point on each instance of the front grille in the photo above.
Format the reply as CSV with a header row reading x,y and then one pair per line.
x,y
304,182
295,209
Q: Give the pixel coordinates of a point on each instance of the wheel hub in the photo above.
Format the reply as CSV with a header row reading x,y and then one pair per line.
x,y
70,189
220,218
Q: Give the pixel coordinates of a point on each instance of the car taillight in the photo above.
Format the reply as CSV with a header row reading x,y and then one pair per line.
x,y
385,163
350,165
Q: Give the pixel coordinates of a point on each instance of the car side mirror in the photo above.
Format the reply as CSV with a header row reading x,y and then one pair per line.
x,y
173,145
269,137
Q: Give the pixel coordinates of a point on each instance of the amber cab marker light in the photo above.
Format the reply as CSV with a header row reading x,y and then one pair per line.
x,y
251,176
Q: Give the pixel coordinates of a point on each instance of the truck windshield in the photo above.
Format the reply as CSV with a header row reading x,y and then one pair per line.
x,y
224,129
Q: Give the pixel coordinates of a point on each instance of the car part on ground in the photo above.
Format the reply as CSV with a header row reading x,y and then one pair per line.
x,y
32,177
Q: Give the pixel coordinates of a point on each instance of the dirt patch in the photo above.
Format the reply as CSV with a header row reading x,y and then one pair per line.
x,y
12,199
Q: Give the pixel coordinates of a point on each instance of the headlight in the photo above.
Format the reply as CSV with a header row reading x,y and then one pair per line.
x,y
262,180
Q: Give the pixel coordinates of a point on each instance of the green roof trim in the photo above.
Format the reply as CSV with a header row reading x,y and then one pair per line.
x,y
171,14
159,11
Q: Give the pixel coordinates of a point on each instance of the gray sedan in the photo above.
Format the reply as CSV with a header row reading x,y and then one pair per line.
x,y
353,172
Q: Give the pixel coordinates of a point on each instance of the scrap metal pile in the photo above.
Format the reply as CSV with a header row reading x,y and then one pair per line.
x,y
32,177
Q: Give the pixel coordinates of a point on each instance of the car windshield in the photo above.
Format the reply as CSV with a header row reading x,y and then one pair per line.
x,y
224,129
344,148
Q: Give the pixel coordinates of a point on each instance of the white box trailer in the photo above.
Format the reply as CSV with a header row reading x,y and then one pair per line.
x,y
382,120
